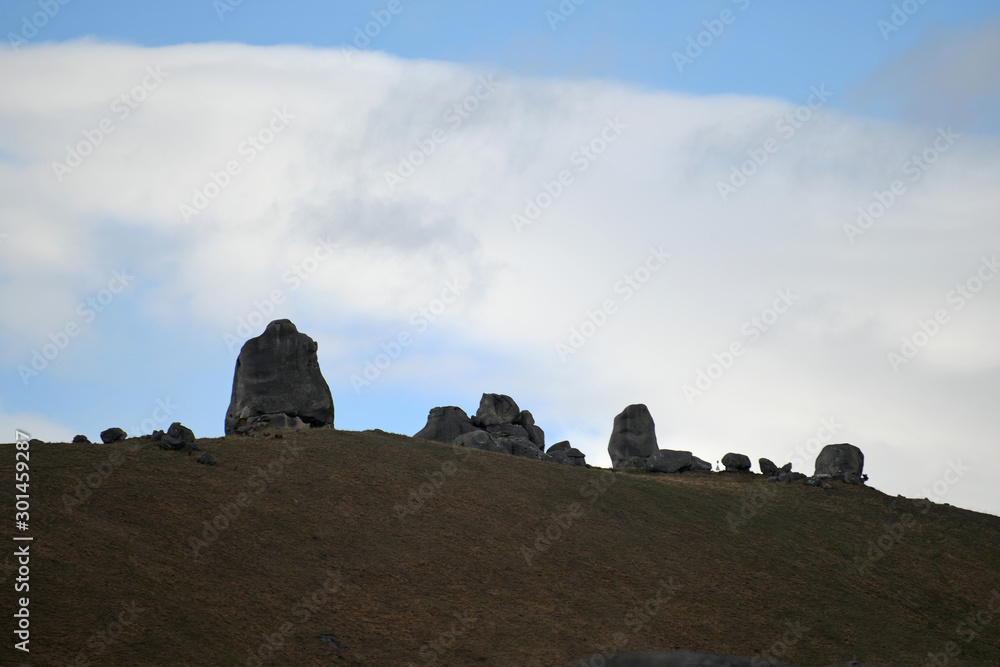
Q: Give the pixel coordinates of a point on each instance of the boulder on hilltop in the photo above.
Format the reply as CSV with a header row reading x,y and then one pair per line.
x,y
632,437
496,409
670,460
445,424
842,461
736,462
277,378
499,425
113,434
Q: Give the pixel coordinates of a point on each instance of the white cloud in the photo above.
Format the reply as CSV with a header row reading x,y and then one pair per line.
x,y
323,175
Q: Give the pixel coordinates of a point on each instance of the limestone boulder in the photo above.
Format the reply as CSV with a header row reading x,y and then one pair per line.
x,y
632,436
481,440
496,409
178,436
445,424
278,373
113,434
767,467
699,464
670,460
736,462
840,460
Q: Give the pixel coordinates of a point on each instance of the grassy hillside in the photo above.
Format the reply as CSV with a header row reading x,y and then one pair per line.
x,y
318,563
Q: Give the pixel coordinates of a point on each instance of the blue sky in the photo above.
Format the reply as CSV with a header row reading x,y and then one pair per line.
x,y
773,49
358,113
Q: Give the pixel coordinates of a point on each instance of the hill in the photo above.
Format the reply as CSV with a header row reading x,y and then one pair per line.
x,y
323,547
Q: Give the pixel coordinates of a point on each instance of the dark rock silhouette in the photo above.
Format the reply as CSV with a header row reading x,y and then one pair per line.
x,y
278,378
767,467
499,425
526,421
632,437
445,424
113,434
563,452
840,460
736,462
670,460
481,440
177,437
80,438
699,464
496,409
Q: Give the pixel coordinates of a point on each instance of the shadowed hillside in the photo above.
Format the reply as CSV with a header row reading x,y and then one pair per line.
x,y
341,548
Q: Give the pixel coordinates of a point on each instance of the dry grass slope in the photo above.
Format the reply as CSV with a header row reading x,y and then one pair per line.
x,y
321,549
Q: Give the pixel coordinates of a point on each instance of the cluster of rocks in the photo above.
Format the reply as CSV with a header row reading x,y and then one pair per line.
x,y
177,437
499,425
278,383
633,445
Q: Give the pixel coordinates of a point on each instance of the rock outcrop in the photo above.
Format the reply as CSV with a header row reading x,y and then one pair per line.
x,y
80,438
633,445
278,381
481,440
499,425
632,437
446,424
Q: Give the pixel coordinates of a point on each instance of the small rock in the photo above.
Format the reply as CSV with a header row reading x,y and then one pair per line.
x,y
80,438
207,459
827,486
36,441
113,434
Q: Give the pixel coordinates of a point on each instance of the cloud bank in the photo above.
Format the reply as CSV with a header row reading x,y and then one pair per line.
x,y
758,272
